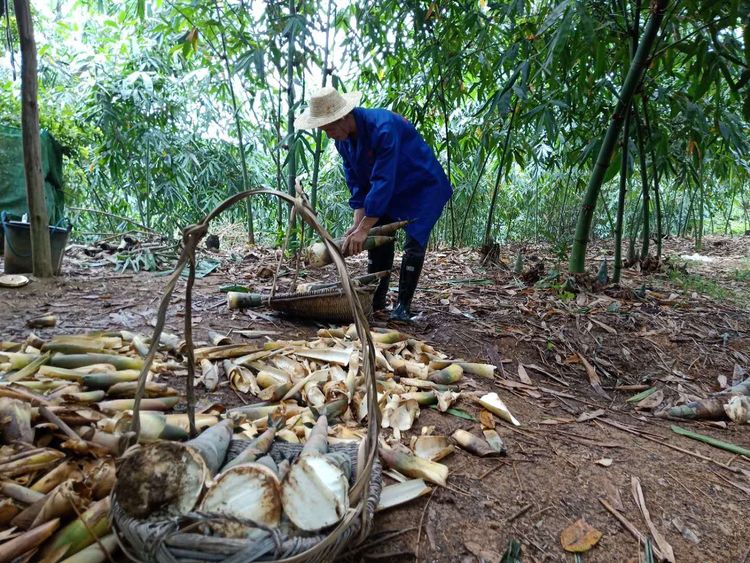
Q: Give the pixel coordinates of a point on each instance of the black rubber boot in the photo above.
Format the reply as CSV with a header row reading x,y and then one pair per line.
x,y
411,268
379,259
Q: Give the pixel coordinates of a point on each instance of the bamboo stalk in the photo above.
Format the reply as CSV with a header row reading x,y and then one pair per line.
x,y
711,441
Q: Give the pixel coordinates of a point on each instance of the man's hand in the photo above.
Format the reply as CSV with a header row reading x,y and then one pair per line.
x,y
355,241
359,214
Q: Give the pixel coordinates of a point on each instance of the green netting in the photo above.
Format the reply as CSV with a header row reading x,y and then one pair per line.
x,y
13,179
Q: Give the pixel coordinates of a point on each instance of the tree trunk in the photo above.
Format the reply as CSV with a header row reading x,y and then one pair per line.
x,y
621,197
644,185
633,78
32,146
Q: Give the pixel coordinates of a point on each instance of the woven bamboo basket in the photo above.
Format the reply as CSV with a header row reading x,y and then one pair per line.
x,y
188,538
330,305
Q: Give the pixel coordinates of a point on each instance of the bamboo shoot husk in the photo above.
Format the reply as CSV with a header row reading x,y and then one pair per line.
x,y
79,360
257,448
22,395
493,403
413,466
60,502
94,553
20,493
154,426
473,444
241,378
38,460
160,404
8,510
401,493
68,469
77,535
15,421
153,390
432,448
28,370
104,381
83,397
27,541
100,477
55,504
209,375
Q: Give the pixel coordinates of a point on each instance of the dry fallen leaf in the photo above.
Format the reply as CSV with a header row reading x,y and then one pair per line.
x,y
652,401
523,376
486,419
579,537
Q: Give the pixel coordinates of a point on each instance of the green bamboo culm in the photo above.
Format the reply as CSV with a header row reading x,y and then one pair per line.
x,y
711,441
635,73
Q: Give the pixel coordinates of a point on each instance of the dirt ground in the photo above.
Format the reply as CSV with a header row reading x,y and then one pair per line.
x,y
680,331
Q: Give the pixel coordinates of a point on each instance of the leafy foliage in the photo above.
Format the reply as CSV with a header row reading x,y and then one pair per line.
x,y
166,107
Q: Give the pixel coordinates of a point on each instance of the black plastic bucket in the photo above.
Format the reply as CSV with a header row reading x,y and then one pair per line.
x,y
17,246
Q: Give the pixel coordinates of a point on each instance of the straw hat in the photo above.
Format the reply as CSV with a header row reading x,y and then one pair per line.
x,y
326,106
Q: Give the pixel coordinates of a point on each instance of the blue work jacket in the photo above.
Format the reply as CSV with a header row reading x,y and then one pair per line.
x,y
392,172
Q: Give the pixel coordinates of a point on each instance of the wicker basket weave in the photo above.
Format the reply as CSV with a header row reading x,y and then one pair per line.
x,y
329,305
187,538
180,540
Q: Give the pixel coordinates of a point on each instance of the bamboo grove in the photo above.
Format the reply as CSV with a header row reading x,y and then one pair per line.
x,y
555,120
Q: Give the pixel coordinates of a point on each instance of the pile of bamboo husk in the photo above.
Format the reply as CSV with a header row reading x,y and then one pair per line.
x,y
64,417
296,381
66,411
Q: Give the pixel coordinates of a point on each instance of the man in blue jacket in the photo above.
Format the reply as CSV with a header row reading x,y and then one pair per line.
x,y
392,175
